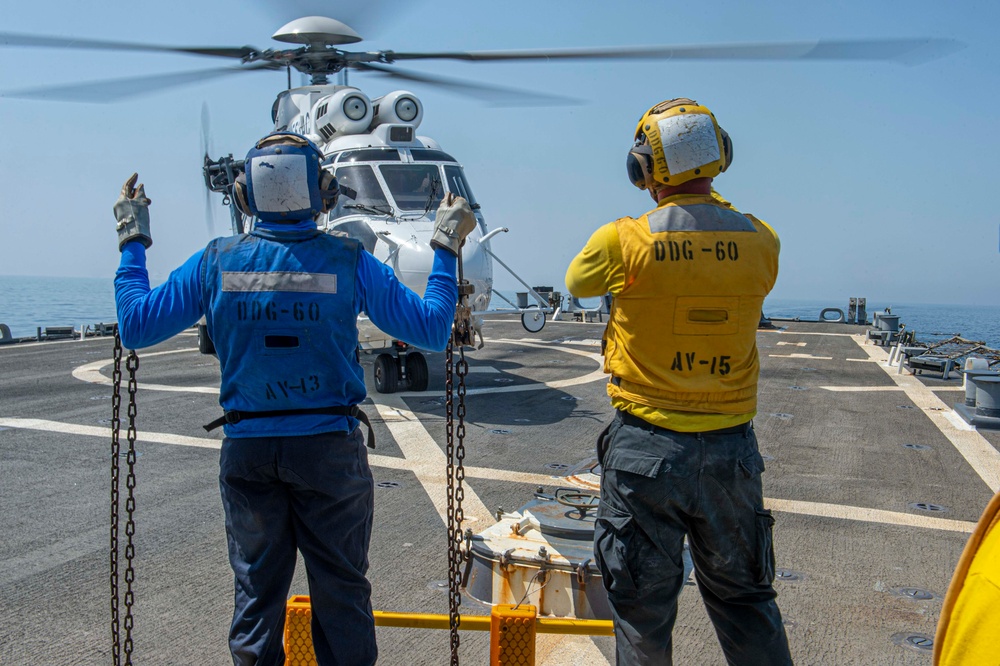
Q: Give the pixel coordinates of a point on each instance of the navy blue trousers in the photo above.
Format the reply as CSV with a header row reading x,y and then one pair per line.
x,y
658,485
312,494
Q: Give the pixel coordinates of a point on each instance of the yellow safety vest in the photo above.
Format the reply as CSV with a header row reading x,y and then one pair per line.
x,y
966,631
682,331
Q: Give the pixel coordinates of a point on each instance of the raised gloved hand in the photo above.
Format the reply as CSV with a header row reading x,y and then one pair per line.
x,y
454,222
132,213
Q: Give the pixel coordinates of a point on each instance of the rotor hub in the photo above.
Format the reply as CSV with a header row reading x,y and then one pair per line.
x,y
317,31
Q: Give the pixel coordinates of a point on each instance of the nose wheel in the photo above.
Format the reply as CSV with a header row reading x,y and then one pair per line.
x,y
395,371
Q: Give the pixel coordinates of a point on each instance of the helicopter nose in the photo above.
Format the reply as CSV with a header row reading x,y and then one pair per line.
x,y
414,259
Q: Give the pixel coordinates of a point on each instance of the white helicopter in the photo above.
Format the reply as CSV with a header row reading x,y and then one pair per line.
x,y
392,179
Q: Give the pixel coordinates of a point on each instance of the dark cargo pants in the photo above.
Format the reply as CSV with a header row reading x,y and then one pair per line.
x,y
659,485
313,494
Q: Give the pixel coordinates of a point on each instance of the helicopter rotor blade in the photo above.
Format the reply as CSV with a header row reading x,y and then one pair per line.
x,y
496,95
905,51
113,90
206,148
54,42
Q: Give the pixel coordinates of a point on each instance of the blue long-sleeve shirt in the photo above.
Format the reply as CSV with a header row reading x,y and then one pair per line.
x,y
150,316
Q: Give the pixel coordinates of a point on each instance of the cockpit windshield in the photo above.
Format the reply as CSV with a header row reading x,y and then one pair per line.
x,y
414,186
360,191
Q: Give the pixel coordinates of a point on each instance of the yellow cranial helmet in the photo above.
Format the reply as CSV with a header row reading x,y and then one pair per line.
x,y
677,141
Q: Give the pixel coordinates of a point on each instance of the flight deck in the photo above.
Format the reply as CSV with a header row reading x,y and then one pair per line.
x,y
874,481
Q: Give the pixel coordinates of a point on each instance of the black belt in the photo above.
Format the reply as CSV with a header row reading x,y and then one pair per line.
x,y
635,421
235,416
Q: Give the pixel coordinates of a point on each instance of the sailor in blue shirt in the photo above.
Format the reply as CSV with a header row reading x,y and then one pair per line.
x,y
281,305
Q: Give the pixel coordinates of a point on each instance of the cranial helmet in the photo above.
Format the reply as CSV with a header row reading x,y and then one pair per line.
x,y
283,180
677,141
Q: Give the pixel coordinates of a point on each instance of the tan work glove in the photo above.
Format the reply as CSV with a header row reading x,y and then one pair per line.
x,y
454,221
132,213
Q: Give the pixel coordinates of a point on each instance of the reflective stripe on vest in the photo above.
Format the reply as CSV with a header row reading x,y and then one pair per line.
x,y
682,332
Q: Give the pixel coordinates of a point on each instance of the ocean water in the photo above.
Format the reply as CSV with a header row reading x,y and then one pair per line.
x,y
932,322
29,302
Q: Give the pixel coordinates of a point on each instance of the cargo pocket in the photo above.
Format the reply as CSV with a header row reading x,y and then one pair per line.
x,y
752,465
613,533
765,547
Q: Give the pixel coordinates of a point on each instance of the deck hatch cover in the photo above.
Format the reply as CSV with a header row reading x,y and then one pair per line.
x,y
927,506
914,641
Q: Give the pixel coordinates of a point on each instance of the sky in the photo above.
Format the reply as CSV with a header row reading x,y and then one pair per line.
x,y
877,176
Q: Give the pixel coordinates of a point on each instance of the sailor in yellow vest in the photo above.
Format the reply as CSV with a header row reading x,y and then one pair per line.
x,y
967,630
680,457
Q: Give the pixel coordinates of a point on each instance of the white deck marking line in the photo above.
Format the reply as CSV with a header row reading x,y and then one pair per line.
x,y
91,373
784,332
483,370
860,360
22,345
429,465
105,431
957,421
554,321
860,389
810,356
488,473
796,344
975,448
867,515
424,457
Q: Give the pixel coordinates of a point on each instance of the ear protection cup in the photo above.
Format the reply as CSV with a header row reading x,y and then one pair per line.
x,y
329,189
727,149
240,195
639,165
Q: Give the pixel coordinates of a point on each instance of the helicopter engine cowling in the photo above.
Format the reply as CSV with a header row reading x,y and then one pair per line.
x,y
347,111
398,107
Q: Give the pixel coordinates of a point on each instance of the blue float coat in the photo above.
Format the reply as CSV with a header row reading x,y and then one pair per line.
x,y
149,316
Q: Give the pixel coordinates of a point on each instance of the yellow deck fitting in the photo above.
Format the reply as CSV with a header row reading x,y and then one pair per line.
x,y
512,635
298,630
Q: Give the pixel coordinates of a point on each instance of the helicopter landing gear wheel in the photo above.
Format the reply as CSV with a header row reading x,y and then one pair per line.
x,y
417,376
386,374
533,319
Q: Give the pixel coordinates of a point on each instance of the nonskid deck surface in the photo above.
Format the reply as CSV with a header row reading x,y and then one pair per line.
x,y
853,451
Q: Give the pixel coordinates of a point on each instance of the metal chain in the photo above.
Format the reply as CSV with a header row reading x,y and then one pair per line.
x,y
454,598
455,452
116,401
132,365
117,644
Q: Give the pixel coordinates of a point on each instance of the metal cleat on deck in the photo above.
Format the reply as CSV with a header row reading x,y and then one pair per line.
x,y
982,391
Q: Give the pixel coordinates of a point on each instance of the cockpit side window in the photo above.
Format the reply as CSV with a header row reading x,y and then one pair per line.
x,y
414,186
458,184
